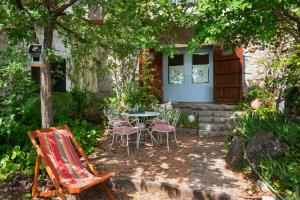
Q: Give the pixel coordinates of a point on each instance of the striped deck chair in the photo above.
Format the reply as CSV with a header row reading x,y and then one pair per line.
x,y
55,150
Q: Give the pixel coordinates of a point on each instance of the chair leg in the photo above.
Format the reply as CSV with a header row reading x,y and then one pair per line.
x,y
158,136
175,138
152,137
168,141
138,139
127,144
61,194
36,175
108,191
112,142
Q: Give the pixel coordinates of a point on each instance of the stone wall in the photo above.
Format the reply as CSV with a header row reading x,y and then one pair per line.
x,y
253,68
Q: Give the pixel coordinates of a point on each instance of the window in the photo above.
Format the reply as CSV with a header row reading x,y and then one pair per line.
x,y
176,69
200,72
58,75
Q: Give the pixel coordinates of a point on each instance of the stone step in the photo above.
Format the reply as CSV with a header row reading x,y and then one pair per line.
x,y
210,133
210,113
223,113
213,119
203,106
213,126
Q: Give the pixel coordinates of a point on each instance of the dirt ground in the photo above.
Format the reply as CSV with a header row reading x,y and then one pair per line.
x,y
151,162
194,161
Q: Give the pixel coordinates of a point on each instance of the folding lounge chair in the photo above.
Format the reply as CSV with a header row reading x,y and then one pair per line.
x,y
62,163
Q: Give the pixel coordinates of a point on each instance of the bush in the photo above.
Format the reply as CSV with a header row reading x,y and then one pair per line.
x,y
283,172
20,112
84,133
14,159
184,122
135,95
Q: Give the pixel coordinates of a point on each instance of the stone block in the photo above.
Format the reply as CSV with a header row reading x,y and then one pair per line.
x,y
206,113
223,113
210,133
220,119
213,126
206,119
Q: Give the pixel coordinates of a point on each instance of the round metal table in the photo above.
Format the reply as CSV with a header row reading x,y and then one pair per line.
x,y
141,126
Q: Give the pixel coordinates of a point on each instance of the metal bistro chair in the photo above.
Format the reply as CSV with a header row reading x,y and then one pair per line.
x,y
114,118
124,131
120,126
158,119
172,117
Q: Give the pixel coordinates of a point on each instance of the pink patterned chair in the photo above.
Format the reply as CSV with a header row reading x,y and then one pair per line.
x,y
124,131
169,127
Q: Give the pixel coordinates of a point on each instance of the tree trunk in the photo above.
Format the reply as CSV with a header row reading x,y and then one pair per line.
x,y
45,88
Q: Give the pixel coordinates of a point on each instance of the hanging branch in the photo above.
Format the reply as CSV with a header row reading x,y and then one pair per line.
x,y
60,10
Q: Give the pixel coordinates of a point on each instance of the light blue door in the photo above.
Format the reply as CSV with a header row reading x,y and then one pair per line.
x,y
188,77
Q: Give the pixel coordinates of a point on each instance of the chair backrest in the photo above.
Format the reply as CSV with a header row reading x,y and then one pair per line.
x,y
56,148
174,116
169,115
111,114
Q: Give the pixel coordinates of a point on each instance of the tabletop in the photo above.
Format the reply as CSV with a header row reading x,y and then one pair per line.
x,y
142,114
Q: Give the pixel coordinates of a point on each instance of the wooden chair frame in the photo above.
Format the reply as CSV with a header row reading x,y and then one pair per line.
x,y
60,190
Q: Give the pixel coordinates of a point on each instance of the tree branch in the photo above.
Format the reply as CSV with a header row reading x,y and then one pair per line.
x,y
79,38
58,11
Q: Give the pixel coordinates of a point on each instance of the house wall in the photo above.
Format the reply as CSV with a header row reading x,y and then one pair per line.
x,y
253,68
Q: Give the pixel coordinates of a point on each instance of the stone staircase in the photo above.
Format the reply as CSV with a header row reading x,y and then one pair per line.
x,y
213,119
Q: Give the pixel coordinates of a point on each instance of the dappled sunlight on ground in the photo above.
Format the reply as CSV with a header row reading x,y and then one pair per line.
x,y
149,162
197,162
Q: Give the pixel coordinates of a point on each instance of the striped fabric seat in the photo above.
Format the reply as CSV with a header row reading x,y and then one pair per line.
x,y
59,153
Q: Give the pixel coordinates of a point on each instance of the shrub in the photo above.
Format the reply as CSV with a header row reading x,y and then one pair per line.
x,y
283,172
184,121
135,95
20,112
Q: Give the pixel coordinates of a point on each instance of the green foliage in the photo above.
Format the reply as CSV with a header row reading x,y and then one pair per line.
x,y
184,122
84,132
282,172
139,92
77,104
13,160
263,93
18,104
135,95
20,112
244,22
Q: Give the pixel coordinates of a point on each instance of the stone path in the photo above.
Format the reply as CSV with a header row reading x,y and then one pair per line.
x,y
209,172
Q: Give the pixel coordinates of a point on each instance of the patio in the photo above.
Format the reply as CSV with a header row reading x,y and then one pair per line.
x,y
195,169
